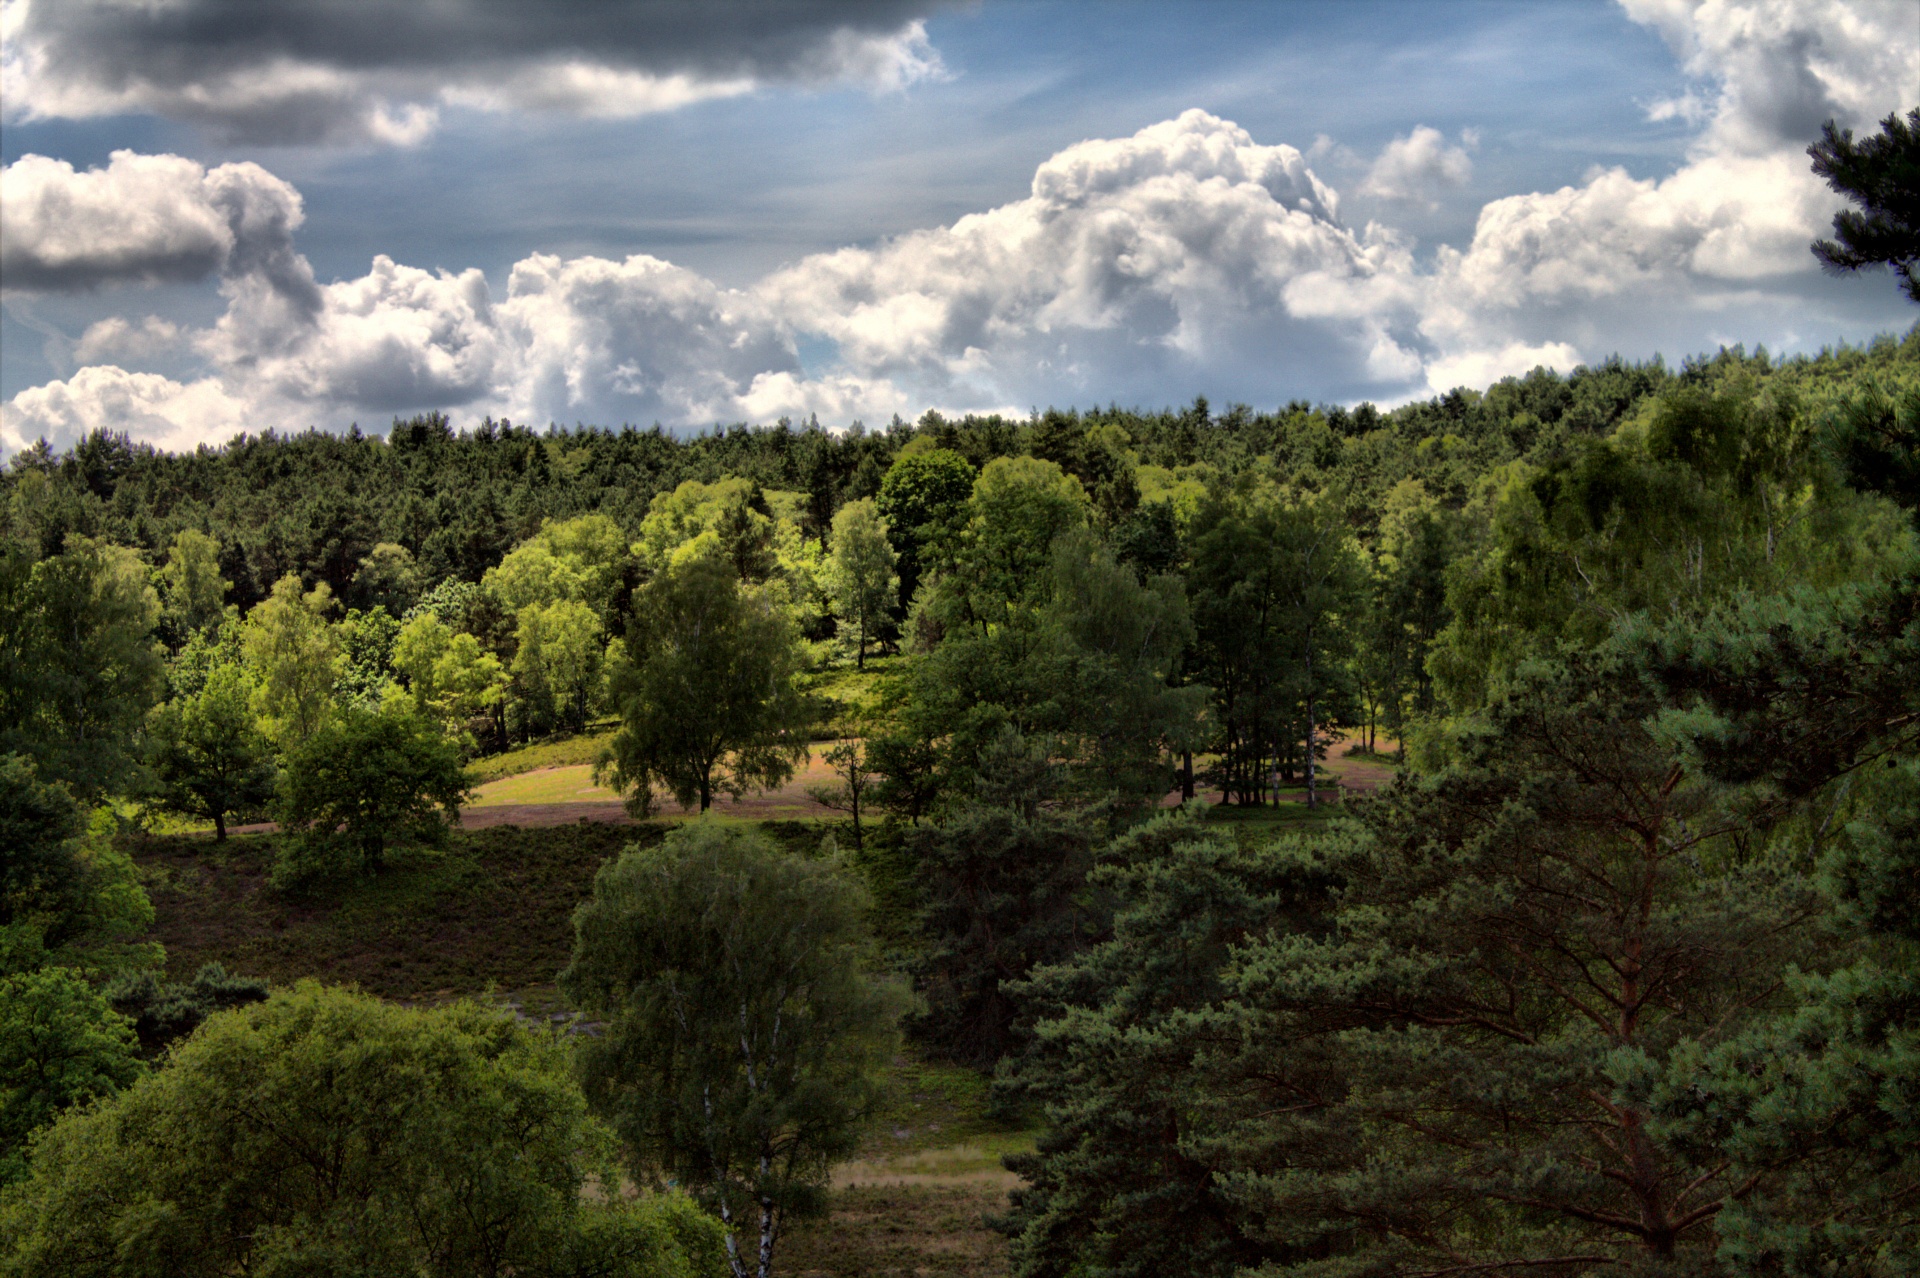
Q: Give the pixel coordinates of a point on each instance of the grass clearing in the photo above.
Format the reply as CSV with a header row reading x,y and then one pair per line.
x,y
851,694
555,752
572,784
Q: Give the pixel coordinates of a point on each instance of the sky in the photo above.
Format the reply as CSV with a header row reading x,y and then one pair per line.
x,y
221,216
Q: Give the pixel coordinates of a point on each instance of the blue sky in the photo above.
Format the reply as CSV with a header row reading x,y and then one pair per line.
x,y
1498,185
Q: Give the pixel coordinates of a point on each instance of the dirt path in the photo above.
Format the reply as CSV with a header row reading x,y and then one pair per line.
x,y
565,795
1340,775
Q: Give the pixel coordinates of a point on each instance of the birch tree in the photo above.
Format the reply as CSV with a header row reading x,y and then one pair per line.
x,y
860,575
744,1030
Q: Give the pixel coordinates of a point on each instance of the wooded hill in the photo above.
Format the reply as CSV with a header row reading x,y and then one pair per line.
x,y
1618,976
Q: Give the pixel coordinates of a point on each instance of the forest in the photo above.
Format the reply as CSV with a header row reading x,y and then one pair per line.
x,y
1616,974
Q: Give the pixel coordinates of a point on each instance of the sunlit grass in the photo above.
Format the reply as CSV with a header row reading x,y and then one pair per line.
x,y
573,784
555,752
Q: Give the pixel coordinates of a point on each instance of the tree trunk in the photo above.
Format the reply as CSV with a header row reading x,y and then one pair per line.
x,y
706,791
1313,799
1186,776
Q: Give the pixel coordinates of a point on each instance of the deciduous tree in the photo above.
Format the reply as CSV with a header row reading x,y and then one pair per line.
x,y
371,775
208,755
192,589
61,1045
743,1029
860,574
293,655
325,1132
79,666
708,688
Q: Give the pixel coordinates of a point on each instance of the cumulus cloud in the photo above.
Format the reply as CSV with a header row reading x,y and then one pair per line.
x,y
1414,167
115,340
147,406
144,219
1739,213
1165,250
308,71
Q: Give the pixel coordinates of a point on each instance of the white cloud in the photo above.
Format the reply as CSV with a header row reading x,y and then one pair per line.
x,y
1165,249
1738,214
1416,166
114,338
142,219
147,406
1481,368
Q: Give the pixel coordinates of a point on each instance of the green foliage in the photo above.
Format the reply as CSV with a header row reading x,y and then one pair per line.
x,y
730,519
1808,710
583,560
42,878
1111,647
1003,884
1720,491
388,578
294,658
61,1045
1020,505
365,666
191,587
860,576
370,775
325,1132
208,756
1121,1178
1404,611
1277,587
67,894
78,664
1880,174
161,1011
1876,439
924,498
560,647
743,1031
1436,1058
709,687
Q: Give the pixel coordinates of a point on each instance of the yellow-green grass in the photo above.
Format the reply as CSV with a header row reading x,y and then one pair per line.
x,y
554,752
851,694
546,785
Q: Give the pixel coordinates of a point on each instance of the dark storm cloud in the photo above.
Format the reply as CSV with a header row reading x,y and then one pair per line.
x,y
308,70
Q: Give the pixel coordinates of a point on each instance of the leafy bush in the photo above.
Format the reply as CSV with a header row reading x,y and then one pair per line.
x,y
324,1132
368,776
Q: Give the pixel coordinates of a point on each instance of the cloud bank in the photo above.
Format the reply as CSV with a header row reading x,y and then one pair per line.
x,y
301,71
1189,254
